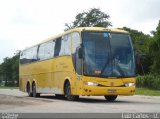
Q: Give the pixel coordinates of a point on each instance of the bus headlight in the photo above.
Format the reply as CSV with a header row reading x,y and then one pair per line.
x,y
129,84
91,84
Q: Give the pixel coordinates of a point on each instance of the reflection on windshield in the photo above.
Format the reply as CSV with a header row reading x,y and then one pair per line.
x,y
108,54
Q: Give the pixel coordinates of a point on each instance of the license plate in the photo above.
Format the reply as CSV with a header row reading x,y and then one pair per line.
x,y
112,90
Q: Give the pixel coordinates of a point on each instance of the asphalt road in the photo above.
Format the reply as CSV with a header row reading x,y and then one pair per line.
x,y
18,102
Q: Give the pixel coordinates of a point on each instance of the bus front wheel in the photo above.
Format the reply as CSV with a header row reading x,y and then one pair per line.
x,y
68,94
110,98
35,94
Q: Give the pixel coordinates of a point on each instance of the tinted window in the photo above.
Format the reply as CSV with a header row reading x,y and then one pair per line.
x,y
22,57
78,64
29,55
97,53
57,47
108,54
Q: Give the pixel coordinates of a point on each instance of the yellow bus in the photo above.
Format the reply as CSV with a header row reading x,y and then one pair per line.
x,y
85,61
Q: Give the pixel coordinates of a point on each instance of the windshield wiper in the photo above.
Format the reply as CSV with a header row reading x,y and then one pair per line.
x,y
109,59
119,69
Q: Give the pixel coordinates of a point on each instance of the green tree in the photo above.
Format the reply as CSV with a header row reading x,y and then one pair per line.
x,y
140,40
91,18
9,70
1,73
155,49
15,67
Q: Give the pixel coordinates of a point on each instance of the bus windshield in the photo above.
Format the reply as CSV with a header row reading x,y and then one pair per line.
x,y
108,54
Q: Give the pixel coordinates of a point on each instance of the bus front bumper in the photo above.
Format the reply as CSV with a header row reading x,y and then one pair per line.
x,y
100,91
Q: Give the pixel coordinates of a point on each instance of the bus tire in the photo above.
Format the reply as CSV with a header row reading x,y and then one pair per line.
x,y
68,94
110,98
28,88
35,94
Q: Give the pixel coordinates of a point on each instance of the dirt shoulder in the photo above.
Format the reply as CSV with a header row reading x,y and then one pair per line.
x,y
7,101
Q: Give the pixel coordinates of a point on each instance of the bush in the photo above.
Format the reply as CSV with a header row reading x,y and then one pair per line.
x,y
149,81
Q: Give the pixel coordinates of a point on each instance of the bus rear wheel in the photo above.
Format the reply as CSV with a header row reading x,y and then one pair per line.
x,y
30,94
110,98
68,94
35,94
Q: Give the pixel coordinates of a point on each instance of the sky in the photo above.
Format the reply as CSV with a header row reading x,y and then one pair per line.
x,y
26,22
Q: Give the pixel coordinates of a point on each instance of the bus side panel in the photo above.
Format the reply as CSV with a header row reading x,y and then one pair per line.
x,y
42,75
39,72
64,71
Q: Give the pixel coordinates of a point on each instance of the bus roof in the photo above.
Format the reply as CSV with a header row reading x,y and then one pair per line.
x,y
79,29
97,29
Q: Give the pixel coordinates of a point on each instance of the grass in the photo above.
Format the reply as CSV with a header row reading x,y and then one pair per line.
x,y
7,87
147,92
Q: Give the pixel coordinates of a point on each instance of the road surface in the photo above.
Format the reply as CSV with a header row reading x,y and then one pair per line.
x,y
14,101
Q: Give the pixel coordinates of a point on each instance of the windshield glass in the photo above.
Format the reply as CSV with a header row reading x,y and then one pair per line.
x,y
108,54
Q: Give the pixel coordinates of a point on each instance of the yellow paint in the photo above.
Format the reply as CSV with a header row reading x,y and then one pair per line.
x,y
52,73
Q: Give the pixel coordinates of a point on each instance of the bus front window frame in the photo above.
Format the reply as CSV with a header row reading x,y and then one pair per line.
x,y
111,57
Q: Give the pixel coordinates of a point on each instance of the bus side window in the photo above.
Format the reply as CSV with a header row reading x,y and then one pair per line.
x,y
49,49
28,56
65,45
34,54
78,63
41,52
46,50
57,47
22,57
76,41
